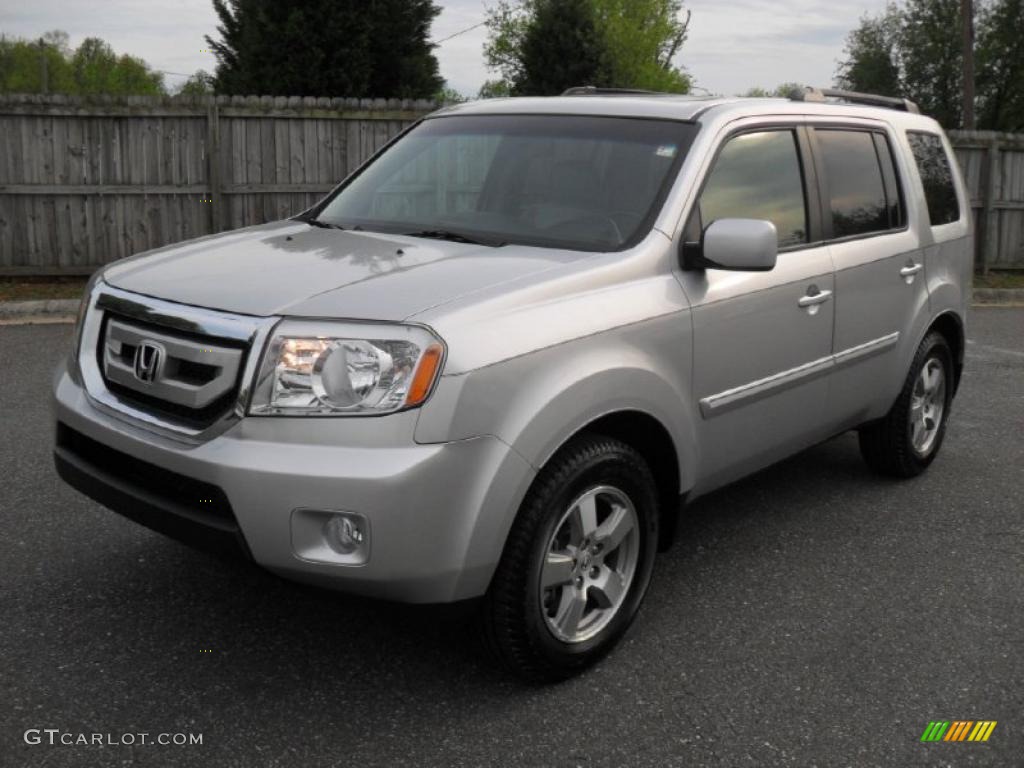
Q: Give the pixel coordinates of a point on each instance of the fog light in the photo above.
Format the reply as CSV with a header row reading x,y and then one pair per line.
x,y
330,536
344,534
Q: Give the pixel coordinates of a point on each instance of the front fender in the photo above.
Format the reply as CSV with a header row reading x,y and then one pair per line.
x,y
536,402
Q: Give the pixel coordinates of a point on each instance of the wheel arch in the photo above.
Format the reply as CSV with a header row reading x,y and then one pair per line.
x,y
652,440
951,326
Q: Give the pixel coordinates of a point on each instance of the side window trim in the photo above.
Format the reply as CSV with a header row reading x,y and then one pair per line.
x,y
808,176
824,193
892,181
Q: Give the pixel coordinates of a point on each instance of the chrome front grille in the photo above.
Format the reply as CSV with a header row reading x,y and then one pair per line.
x,y
163,364
180,370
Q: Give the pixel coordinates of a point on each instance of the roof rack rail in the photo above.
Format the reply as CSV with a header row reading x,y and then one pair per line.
x,y
819,95
590,90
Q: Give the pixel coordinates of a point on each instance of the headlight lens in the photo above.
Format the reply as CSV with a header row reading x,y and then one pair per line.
x,y
336,369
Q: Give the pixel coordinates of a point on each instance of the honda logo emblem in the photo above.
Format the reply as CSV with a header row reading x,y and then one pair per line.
x,y
149,356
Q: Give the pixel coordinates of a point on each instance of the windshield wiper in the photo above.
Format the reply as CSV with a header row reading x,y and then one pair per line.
x,y
322,224
455,237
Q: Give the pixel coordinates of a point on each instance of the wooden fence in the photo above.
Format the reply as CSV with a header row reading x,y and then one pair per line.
x,y
84,182
87,181
993,166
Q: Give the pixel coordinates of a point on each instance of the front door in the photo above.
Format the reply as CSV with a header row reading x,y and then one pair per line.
x,y
762,340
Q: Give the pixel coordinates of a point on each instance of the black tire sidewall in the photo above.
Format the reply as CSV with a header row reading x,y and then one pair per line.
x,y
615,468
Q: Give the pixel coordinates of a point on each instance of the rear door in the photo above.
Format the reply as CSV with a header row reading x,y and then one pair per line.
x,y
762,340
881,291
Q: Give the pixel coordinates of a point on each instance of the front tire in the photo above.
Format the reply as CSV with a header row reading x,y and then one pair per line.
x,y
907,440
577,561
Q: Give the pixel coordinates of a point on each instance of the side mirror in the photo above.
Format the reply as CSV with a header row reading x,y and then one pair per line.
x,y
745,245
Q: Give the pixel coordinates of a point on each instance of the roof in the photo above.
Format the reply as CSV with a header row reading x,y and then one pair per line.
x,y
673,107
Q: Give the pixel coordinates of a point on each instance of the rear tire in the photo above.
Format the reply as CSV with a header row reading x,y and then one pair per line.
x,y
907,439
576,564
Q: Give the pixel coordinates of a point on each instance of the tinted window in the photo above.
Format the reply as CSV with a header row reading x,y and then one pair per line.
x,y
586,183
757,176
854,179
893,190
933,165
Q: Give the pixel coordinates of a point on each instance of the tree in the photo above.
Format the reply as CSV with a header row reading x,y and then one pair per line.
x,y
50,65
25,65
871,65
1000,66
559,26
783,91
97,69
915,50
200,83
609,43
931,58
495,89
644,37
353,48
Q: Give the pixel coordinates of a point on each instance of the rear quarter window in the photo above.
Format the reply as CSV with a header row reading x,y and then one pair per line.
x,y
937,177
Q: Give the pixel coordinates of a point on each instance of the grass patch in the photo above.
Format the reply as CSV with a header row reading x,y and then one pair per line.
x,y
1000,280
35,290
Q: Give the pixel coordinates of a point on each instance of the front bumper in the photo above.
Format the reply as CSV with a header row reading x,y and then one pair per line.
x,y
438,513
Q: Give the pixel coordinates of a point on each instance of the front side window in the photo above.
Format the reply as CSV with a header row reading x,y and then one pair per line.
x,y
857,196
581,182
936,176
758,176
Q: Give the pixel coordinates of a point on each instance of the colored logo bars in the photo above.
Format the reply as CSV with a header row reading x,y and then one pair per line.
x,y
958,730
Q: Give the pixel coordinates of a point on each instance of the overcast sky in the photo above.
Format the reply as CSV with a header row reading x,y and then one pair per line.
x,y
733,45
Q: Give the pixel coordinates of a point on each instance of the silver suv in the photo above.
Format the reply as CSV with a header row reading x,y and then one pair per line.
x,y
495,360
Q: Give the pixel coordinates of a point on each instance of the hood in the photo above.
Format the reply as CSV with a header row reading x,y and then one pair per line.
x,y
291,268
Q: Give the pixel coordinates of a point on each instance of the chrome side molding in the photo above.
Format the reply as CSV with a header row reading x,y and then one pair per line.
x,y
723,402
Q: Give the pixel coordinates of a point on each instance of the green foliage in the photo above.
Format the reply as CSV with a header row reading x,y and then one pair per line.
x,y
495,89
931,58
448,95
91,69
783,91
872,65
914,50
546,46
200,83
326,48
97,69
1000,66
644,37
557,28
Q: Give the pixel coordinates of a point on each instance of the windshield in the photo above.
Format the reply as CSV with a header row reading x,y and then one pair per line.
x,y
584,183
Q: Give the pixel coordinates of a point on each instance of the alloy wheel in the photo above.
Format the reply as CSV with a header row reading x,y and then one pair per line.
x,y
589,564
927,405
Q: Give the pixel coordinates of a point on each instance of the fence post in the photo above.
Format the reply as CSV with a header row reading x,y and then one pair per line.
x,y
990,233
213,163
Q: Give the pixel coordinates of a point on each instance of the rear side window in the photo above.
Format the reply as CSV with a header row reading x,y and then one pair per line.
x,y
936,176
857,191
758,176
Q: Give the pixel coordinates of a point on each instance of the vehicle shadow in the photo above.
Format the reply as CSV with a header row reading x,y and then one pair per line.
x,y
185,619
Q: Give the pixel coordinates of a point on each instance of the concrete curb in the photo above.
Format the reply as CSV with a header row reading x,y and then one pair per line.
x,y
46,310
1002,296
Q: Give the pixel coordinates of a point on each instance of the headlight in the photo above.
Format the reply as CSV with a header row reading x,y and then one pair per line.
x,y
313,368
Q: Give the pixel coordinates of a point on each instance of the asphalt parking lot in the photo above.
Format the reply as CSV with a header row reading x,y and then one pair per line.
x,y
810,615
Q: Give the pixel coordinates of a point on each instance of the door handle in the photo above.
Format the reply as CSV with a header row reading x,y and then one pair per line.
x,y
813,299
908,272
